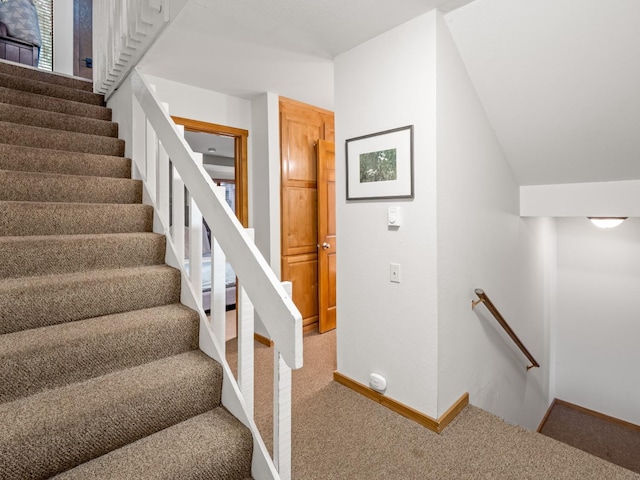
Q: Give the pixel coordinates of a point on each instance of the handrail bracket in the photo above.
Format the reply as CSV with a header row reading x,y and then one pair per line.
x,y
474,303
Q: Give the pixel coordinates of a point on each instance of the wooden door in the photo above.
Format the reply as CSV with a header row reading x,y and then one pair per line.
x,y
82,38
326,236
301,126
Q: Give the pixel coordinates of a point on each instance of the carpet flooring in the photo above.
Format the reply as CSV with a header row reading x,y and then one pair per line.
x,y
614,442
339,434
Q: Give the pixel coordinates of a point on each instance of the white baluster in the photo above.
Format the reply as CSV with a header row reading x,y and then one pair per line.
x,y
163,186
138,137
195,242
218,284
245,343
195,249
177,227
151,160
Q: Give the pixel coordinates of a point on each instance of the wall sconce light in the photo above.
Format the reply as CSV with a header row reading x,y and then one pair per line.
x,y
607,222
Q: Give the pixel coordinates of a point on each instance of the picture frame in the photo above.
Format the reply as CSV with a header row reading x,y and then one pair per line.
x,y
380,165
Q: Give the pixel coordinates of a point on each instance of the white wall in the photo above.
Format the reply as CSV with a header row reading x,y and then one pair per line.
x,y
386,327
460,232
63,36
595,199
598,324
121,105
265,173
204,105
265,142
483,243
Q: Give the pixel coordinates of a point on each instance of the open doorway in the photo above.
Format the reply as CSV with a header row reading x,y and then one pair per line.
x,y
223,152
218,158
240,142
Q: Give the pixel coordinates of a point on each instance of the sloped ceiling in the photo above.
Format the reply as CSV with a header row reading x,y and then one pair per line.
x,y
560,82
559,79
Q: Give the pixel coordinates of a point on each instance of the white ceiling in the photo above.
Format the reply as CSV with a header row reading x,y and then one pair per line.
x,y
201,142
558,78
245,47
219,164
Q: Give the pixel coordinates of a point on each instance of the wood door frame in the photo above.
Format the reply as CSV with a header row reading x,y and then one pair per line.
x,y
82,9
241,141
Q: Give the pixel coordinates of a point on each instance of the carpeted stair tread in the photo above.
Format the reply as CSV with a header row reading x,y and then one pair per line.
x,y
49,187
23,256
33,302
45,160
51,90
609,438
58,121
53,78
56,430
50,357
52,104
101,375
213,446
43,218
40,137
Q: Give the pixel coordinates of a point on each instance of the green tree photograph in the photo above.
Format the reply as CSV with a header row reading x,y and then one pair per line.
x,y
378,166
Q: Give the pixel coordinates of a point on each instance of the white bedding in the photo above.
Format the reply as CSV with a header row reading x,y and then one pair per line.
x,y
230,283
230,275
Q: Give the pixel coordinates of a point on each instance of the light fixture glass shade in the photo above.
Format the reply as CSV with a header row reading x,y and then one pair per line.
x,y
607,222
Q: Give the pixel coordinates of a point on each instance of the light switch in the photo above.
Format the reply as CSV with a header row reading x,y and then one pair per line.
x,y
393,217
394,273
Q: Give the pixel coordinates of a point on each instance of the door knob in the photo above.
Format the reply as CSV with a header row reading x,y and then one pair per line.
x,y
325,245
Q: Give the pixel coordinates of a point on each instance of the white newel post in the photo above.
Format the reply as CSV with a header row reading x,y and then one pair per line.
x,y
245,342
282,409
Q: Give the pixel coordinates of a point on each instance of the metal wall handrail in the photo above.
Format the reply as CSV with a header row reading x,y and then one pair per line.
x,y
483,298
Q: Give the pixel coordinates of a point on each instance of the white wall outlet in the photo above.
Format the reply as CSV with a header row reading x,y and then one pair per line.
x,y
394,273
377,382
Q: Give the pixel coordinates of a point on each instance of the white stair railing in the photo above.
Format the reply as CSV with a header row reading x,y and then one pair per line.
x,y
123,30
168,168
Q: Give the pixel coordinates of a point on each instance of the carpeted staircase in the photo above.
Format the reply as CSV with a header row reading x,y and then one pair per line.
x,y
101,376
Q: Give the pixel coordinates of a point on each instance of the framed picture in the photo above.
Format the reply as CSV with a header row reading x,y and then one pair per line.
x,y
380,165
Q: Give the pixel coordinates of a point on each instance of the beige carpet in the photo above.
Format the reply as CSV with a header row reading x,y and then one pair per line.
x,y
339,434
100,376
